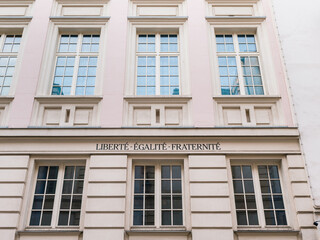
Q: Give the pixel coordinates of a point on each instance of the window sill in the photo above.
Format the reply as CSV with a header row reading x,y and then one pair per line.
x,y
6,99
165,230
47,231
68,99
247,98
158,99
269,229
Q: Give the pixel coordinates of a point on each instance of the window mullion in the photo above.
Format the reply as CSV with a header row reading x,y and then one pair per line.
x,y
258,193
239,67
158,64
57,198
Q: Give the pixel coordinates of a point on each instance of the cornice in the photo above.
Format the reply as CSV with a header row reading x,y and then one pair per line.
x,y
156,19
79,19
8,20
246,99
6,99
155,99
236,20
225,2
68,99
168,132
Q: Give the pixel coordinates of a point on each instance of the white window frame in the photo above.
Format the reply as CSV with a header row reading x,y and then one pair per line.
x,y
65,25
77,55
58,193
244,25
157,54
153,25
157,212
257,192
237,54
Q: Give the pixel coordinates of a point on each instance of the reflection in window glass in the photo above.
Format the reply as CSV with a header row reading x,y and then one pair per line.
x,y
157,64
239,68
75,72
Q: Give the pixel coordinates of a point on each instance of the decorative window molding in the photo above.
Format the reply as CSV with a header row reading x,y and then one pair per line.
x,y
248,111
16,8
234,8
60,111
57,195
71,26
157,8
169,111
68,8
244,26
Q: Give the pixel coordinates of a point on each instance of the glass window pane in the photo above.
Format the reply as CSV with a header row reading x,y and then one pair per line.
x,y
65,202
138,186
166,202
236,171
165,172
251,202
46,218
137,217
237,186
177,217
138,202
253,218
74,218
273,170
176,172
35,218
67,187
149,217
48,203
177,202
149,186
269,216
149,202
247,173
51,187
176,186
165,186
239,200
166,218
248,186
278,202
139,172
78,187
76,202
281,218
241,218
37,202
63,218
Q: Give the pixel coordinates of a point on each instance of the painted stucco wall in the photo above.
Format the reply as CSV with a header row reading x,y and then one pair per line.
x,y
299,29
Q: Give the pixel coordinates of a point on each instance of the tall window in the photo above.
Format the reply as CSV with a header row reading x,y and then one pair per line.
x,y
76,65
8,59
157,182
239,68
58,195
157,64
258,183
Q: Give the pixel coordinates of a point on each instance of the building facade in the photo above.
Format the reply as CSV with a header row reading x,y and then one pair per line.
x,y
139,119
303,67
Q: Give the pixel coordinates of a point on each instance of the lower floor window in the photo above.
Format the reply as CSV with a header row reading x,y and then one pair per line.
x,y
157,195
58,195
253,183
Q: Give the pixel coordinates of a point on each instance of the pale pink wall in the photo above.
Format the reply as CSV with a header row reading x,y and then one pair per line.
x,y
199,65
114,75
21,109
114,70
278,63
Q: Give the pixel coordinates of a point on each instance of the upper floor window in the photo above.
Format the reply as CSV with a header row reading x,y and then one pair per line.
x,y
157,57
8,58
76,65
253,184
239,67
57,197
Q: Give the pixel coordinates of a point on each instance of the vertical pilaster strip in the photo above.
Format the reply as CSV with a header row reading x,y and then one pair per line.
x,y
105,203
210,198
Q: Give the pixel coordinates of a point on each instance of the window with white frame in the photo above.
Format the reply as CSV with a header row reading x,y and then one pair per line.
x,y
253,184
57,196
157,57
76,65
8,59
158,199
239,68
